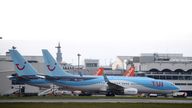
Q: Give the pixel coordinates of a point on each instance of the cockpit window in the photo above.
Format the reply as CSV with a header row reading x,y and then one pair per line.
x,y
173,84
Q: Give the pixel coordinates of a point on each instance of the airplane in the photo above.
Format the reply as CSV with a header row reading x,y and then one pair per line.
x,y
110,85
25,73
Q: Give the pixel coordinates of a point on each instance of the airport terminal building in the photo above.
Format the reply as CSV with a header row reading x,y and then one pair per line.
x,y
172,67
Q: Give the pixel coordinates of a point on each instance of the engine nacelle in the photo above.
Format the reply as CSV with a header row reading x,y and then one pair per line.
x,y
130,91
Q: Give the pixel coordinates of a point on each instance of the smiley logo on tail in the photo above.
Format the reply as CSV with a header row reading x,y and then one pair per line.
x,y
20,68
51,69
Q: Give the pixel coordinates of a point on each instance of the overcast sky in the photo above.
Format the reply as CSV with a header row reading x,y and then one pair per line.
x,y
101,29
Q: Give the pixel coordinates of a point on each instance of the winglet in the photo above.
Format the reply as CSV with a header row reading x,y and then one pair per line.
x,y
105,78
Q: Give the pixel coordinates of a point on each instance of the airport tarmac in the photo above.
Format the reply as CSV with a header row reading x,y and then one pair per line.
x,y
94,101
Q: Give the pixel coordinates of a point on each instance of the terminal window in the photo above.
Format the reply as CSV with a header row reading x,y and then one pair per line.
x,y
91,64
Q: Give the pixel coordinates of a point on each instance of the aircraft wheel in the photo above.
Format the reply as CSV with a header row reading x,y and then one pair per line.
x,y
110,94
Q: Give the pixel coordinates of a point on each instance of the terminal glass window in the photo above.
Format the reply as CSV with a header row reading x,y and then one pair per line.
x,y
162,77
91,64
175,78
168,77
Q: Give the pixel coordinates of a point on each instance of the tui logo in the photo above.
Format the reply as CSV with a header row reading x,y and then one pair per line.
x,y
51,69
20,67
157,83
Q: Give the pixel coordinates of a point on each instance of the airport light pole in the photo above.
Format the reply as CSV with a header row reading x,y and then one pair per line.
x,y
78,60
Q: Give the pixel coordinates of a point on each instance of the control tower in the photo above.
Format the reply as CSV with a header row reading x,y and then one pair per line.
x,y
59,54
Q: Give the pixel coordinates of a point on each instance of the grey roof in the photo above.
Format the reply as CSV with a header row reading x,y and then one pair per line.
x,y
126,57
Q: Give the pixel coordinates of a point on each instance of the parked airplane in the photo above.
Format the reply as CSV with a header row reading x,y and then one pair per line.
x,y
25,73
110,85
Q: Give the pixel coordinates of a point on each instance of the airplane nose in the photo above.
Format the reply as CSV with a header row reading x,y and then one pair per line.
x,y
177,88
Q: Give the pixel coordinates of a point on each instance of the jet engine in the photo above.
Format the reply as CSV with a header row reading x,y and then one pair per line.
x,y
130,91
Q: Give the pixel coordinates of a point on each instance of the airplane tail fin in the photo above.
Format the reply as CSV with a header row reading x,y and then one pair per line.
x,y
99,72
22,67
52,67
130,72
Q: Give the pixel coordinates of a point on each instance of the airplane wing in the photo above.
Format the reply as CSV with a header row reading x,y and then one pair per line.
x,y
112,87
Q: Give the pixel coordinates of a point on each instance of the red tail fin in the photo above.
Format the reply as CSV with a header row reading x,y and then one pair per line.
x,y
130,72
99,72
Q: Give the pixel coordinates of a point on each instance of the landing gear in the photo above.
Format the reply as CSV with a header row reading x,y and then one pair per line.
x,y
85,94
110,94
